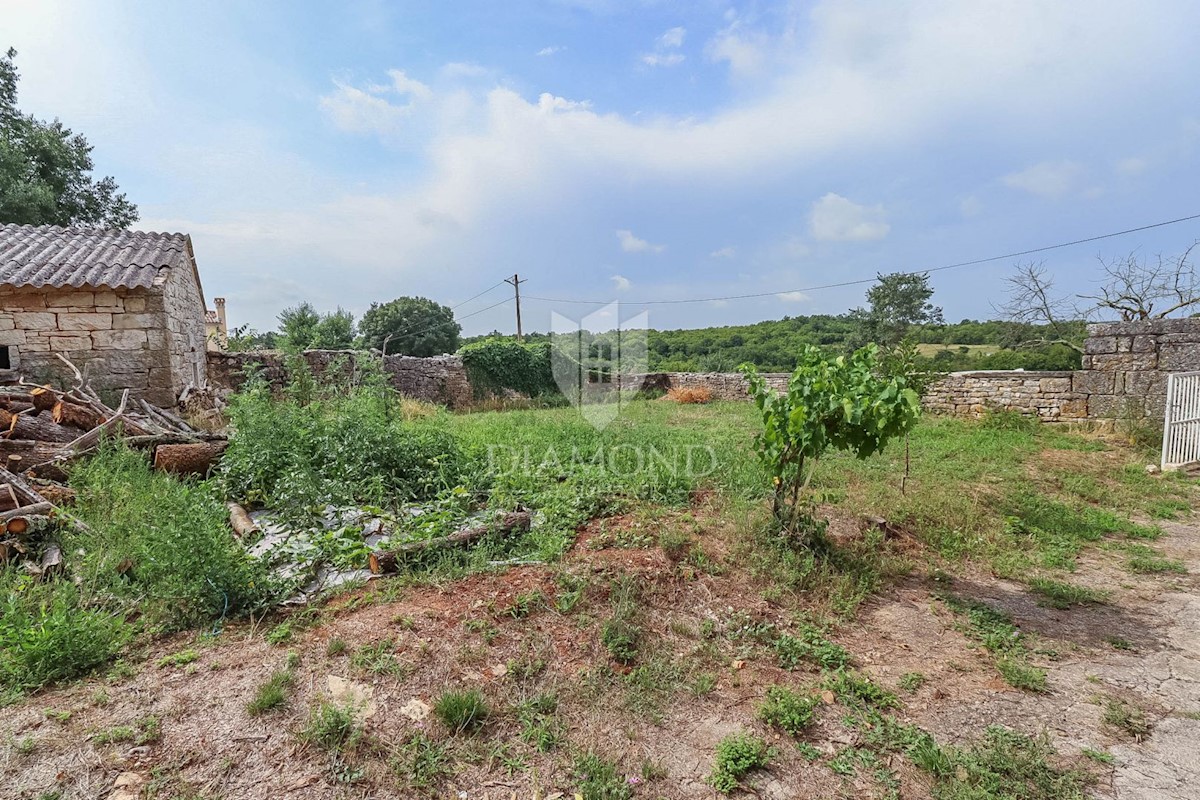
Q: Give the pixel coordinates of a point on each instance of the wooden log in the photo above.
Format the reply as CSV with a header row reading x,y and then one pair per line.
x,y
240,521
28,453
8,498
23,488
19,520
384,561
43,398
75,415
57,494
197,458
25,426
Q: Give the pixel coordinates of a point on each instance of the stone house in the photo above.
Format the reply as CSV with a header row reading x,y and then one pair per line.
x,y
216,331
125,307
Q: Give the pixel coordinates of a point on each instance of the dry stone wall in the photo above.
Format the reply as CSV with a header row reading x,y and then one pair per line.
x,y
1050,396
441,379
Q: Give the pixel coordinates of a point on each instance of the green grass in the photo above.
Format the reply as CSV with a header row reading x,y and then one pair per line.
x,y
461,712
377,659
994,629
332,728
597,778
1126,718
857,690
1145,563
1005,765
809,644
912,681
1061,595
420,762
540,725
273,693
737,755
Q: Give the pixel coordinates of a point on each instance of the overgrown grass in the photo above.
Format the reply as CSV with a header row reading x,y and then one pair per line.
x,y
737,755
461,712
1058,594
788,710
273,693
994,629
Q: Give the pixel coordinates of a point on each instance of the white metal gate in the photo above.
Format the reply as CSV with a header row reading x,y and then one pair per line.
x,y
1181,421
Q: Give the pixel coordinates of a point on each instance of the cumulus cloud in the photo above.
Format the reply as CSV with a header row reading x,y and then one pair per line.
x,y
632,244
620,283
724,252
836,219
1132,166
673,37
663,59
549,51
1046,179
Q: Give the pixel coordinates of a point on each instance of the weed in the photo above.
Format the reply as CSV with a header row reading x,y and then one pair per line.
x,y
788,710
274,692
144,731
332,728
377,659
912,681
703,683
1147,564
179,659
1021,675
336,646
1126,717
280,634
540,726
810,645
58,715
597,778
1005,764
738,754
621,638
461,712
1058,594
857,690
808,751
1098,755
676,544
994,629
421,762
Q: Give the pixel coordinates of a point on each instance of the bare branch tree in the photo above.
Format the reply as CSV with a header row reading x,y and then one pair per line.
x,y
1033,301
1140,290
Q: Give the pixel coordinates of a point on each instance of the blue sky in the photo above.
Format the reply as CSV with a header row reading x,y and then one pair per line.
x,y
351,152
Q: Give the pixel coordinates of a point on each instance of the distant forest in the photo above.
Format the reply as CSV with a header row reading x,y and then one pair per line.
x,y
772,345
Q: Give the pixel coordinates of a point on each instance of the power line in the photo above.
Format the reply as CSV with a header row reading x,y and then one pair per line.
x,y
870,280
481,294
449,322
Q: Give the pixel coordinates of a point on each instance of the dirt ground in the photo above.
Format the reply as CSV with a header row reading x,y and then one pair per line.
x,y
472,632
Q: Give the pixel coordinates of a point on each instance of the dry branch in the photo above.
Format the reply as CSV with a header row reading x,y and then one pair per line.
x,y
240,521
383,561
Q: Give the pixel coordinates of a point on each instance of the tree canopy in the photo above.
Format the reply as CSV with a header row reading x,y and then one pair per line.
x,y
45,170
302,328
411,326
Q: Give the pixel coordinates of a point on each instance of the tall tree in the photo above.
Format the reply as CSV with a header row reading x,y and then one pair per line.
x,y
898,301
298,326
45,170
411,326
335,331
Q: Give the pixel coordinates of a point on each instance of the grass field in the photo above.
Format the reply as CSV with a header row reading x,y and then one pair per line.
x,y
650,587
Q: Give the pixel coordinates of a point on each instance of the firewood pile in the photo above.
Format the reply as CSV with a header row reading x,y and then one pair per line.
x,y
43,430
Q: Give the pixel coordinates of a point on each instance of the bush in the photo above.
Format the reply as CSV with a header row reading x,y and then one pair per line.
x,y
461,711
352,446
599,779
496,365
332,727
737,754
787,710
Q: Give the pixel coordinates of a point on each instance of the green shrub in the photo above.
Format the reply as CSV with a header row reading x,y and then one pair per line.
x,y
346,447
597,778
332,727
46,637
855,689
621,637
461,711
788,710
737,754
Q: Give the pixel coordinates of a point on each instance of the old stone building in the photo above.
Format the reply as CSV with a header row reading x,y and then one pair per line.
x,y
126,307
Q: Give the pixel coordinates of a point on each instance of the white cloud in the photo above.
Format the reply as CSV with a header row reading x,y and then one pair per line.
x,y
370,109
663,59
672,38
550,103
1046,179
620,283
793,297
665,47
1132,166
632,244
724,252
836,219
551,50
970,206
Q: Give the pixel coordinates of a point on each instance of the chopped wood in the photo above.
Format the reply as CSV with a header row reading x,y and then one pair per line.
x,y
197,458
25,426
8,498
92,438
43,398
76,415
58,494
51,560
383,561
18,521
23,488
240,521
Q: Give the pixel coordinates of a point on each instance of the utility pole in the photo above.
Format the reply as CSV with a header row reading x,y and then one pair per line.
x,y
515,281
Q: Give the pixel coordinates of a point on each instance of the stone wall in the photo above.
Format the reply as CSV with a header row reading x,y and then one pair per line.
x,y
1050,396
117,337
723,385
184,316
441,379
1125,364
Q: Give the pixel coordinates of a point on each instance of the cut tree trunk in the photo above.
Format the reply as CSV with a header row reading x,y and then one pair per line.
x,y
30,453
188,459
241,522
75,415
24,426
23,488
383,561
20,520
43,398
